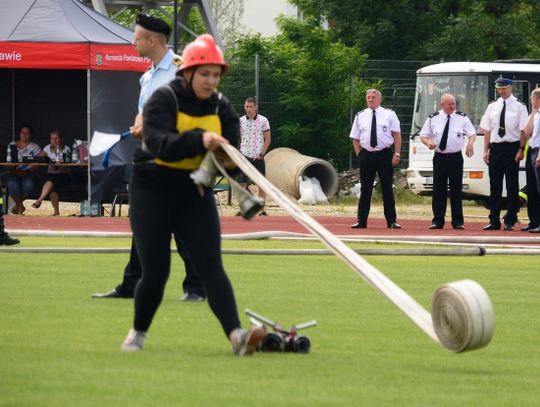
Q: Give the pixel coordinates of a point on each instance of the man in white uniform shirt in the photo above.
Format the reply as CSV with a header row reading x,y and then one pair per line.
x,y
373,133
445,131
255,138
532,133
502,125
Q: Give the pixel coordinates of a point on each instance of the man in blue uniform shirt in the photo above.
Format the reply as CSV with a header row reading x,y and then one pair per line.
x,y
445,131
150,40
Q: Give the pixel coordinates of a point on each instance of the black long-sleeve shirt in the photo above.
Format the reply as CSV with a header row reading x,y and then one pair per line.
x,y
163,116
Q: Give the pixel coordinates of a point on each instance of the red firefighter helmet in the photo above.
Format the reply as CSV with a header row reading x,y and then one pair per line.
x,y
203,51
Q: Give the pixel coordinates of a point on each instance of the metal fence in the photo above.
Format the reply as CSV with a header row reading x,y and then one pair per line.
x,y
398,84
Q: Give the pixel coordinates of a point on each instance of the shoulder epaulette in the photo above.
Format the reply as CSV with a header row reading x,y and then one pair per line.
x,y
493,101
177,60
432,115
520,102
461,113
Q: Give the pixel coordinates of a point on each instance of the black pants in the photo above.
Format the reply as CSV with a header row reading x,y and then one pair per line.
x,y
502,164
133,273
447,171
163,202
379,163
533,197
2,226
258,163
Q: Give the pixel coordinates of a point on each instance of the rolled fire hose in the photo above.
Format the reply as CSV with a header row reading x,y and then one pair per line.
x,y
462,320
463,316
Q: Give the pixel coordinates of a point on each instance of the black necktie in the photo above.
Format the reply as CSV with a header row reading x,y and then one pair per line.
x,y
502,124
444,139
373,139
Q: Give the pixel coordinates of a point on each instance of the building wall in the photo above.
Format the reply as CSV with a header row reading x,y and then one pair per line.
x,y
259,15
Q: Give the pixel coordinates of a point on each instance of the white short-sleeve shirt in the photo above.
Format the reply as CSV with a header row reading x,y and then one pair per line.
x,y
534,142
31,150
387,122
51,153
460,126
252,135
515,119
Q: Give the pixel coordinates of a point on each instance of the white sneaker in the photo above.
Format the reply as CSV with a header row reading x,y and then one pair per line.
x,y
134,341
246,342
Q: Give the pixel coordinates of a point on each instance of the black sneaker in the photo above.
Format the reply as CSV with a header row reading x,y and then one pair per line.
x,y
191,297
6,240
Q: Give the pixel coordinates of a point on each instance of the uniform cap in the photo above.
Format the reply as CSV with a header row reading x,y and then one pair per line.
x,y
503,82
153,24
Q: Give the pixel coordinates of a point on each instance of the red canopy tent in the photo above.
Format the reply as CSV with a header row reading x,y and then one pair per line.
x,y
65,66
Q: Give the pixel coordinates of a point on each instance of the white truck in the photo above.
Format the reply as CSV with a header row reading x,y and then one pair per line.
x,y
472,83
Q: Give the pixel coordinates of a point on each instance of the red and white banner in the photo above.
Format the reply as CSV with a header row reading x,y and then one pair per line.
x,y
71,56
117,58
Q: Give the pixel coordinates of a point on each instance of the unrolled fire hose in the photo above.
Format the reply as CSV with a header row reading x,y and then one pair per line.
x,y
462,316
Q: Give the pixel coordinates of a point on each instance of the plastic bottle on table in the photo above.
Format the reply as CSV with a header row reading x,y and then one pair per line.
x,y
75,152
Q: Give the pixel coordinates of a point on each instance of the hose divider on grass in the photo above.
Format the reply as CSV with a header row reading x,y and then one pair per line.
x,y
463,316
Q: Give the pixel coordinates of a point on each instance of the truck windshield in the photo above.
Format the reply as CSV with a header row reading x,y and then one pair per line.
x,y
471,92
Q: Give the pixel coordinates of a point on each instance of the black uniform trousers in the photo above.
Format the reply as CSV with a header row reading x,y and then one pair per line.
x,y
533,196
447,172
380,163
501,166
133,272
165,201
2,226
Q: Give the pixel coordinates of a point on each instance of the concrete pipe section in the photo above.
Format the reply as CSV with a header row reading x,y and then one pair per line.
x,y
284,167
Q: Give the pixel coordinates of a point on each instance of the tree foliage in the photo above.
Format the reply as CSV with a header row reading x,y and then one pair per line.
x,y
228,14
312,75
480,30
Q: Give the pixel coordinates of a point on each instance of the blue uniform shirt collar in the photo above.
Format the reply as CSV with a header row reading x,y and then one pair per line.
x,y
165,61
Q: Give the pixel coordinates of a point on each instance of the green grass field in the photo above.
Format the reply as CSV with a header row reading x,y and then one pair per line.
x,y
58,347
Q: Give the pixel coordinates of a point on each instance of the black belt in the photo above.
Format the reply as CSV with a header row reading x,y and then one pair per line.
x,y
448,154
378,151
503,142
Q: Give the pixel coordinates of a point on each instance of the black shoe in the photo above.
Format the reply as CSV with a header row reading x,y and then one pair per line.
x,y
527,228
394,225
111,294
359,225
263,213
435,226
492,226
458,227
191,297
535,230
508,227
6,240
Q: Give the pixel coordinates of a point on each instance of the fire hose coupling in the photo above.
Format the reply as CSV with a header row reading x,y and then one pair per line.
x,y
280,340
205,176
